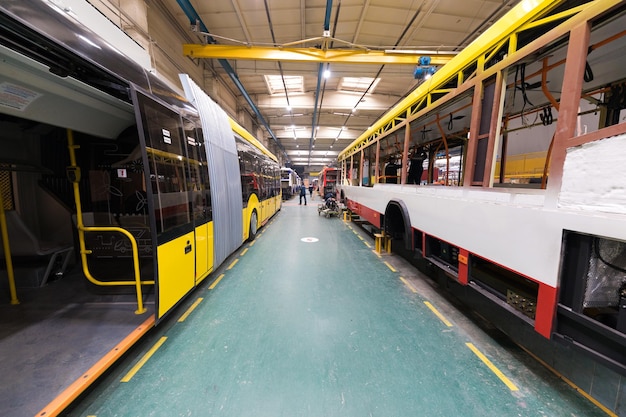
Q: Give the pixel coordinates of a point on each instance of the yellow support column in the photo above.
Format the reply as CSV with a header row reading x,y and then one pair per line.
x,y
378,242
382,242
387,243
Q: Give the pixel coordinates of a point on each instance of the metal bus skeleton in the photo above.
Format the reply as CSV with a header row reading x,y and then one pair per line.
x,y
522,212
328,178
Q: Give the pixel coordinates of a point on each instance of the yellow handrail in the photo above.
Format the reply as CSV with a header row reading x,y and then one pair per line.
x,y
81,236
7,252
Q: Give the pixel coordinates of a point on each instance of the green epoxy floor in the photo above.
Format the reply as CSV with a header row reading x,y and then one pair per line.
x,y
325,328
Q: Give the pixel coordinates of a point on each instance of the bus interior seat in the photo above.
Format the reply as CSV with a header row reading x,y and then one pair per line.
x,y
25,246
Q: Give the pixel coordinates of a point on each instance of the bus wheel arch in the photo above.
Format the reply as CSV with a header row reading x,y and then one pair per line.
x,y
397,223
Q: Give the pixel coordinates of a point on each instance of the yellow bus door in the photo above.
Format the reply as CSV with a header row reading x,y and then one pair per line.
x,y
199,196
162,136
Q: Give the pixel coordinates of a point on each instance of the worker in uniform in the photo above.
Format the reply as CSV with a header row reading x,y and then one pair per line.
x,y
391,172
417,166
303,194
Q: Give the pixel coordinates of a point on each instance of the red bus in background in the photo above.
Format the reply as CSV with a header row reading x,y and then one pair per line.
x,y
328,178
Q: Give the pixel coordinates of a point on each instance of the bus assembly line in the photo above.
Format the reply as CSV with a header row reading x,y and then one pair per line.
x,y
518,214
495,181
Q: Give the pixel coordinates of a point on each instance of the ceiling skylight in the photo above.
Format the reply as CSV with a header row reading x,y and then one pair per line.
x,y
293,83
358,84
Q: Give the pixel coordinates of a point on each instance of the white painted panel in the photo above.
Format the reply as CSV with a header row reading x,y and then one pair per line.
x,y
593,177
513,230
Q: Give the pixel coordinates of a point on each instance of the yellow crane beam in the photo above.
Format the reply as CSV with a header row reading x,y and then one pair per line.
x,y
342,56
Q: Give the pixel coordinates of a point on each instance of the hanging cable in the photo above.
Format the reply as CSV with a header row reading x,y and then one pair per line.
x,y
523,85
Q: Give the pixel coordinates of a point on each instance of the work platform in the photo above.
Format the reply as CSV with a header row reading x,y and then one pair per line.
x,y
308,320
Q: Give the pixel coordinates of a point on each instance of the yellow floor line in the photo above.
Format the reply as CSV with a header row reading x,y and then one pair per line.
x,y
438,314
216,281
409,285
390,267
367,244
493,368
360,237
232,264
252,243
243,252
143,360
189,310
571,384
81,384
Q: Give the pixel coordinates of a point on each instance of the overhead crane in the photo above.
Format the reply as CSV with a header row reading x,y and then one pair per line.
x,y
316,55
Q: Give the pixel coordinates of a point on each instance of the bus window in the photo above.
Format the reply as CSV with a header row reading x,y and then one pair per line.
x,y
603,98
198,182
117,196
166,157
529,120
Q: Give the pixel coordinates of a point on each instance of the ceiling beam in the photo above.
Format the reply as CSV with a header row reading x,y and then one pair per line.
x,y
333,99
347,56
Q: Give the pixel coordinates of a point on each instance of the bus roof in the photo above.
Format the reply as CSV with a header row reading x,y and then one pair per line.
x,y
247,136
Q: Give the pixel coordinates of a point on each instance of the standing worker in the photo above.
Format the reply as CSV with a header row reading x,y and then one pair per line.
x,y
417,166
311,191
303,194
